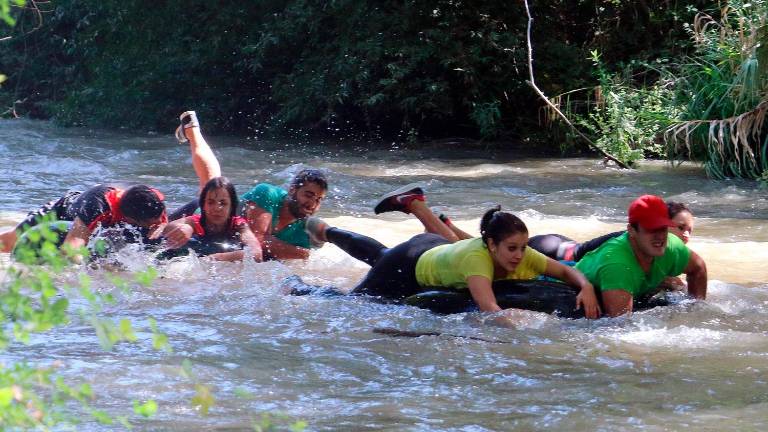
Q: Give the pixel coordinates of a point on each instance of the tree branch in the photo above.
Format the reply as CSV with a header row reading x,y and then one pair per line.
x,y
532,83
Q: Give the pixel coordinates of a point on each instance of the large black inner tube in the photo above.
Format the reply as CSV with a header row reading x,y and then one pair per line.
x,y
200,248
550,297
537,295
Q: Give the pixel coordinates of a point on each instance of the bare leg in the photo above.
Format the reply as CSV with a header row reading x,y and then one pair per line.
x,y
203,160
431,222
461,234
7,240
410,199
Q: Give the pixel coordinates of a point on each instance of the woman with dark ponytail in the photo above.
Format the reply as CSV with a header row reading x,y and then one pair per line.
x,y
429,260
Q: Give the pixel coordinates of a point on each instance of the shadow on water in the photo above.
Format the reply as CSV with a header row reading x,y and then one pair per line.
x,y
697,365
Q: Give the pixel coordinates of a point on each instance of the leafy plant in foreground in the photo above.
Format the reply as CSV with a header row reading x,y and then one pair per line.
x,y
33,300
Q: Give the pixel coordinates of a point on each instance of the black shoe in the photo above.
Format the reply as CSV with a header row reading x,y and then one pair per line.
x,y
399,199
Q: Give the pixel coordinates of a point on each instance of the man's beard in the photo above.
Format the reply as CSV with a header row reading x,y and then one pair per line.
x,y
295,208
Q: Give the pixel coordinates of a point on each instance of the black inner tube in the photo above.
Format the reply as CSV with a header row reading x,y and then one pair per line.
x,y
550,297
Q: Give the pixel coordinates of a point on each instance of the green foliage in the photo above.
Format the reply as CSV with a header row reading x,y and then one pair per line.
x,y
709,106
147,409
276,422
724,88
203,399
404,70
625,119
34,300
5,11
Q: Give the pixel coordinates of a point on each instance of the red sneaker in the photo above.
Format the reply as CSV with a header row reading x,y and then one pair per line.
x,y
400,199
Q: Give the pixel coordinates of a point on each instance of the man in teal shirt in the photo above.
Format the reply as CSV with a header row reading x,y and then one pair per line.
x,y
278,217
634,264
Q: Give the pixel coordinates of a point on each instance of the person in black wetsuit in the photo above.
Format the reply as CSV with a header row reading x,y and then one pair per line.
x,y
99,206
217,227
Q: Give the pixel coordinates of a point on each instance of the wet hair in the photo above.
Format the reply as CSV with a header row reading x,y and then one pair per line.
x,y
142,203
498,225
309,175
675,208
218,183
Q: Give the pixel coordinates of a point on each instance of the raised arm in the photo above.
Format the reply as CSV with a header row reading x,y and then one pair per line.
x,y
586,297
696,275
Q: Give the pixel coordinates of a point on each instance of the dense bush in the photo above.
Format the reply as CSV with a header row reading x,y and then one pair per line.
x,y
723,89
421,69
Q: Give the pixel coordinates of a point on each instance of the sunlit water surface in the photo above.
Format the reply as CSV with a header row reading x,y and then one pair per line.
x,y
701,365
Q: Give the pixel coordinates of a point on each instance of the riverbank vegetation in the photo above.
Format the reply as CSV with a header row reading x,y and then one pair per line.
x,y
639,78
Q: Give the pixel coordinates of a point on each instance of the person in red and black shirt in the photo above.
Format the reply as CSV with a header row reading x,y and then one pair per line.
x,y
217,222
101,205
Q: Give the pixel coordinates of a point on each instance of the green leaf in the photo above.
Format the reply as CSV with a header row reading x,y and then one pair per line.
x,y
186,369
147,409
6,396
127,330
203,398
146,277
102,417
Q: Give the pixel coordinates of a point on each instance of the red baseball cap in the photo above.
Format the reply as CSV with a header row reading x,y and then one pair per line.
x,y
650,212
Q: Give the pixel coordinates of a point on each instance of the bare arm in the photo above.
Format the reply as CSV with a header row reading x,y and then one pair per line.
x,y
77,237
617,302
586,297
696,275
260,223
178,232
481,290
281,250
228,256
249,240
482,293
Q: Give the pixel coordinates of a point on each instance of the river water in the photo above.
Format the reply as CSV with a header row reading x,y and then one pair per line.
x,y
701,365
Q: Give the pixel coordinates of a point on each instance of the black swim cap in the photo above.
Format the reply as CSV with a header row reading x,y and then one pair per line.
x,y
142,203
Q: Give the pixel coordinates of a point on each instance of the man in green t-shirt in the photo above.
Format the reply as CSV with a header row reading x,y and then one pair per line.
x,y
632,265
